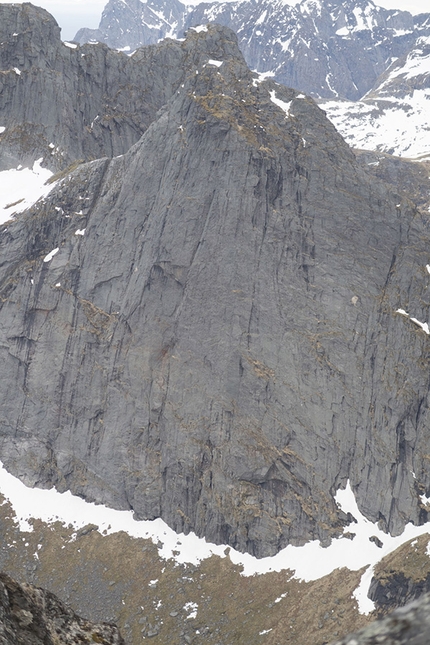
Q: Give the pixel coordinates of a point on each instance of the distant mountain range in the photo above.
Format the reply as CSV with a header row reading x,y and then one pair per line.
x,y
327,48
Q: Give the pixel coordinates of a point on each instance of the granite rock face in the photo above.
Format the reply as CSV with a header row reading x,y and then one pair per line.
x,y
222,347
33,616
327,48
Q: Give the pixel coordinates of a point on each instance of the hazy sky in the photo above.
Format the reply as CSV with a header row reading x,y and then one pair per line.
x,y
73,14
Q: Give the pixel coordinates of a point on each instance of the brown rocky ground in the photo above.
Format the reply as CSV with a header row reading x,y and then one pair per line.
x,y
112,578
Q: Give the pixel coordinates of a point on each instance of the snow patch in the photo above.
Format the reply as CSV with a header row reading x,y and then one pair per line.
x,y
424,326
217,63
70,45
2,129
282,104
80,231
391,124
20,188
191,607
200,28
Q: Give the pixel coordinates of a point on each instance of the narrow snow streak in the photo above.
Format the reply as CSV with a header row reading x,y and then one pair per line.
x,y
50,255
424,326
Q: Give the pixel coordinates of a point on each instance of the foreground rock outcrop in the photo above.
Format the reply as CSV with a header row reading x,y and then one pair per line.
x,y
409,625
33,616
206,329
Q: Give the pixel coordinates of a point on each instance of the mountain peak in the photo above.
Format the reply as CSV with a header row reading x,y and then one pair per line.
x,y
313,46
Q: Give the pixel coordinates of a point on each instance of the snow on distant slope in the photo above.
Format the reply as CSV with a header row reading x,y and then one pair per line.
x,y
309,562
20,188
395,116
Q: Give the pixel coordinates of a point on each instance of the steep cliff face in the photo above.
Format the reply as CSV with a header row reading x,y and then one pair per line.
x,y
33,616
216,338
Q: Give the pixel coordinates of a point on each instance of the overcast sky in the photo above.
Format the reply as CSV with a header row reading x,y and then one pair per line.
x,y
73,14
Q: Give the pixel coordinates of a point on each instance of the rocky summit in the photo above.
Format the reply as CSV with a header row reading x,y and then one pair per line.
x,y
221,325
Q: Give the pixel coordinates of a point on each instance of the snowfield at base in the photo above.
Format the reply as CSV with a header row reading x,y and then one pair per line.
x,y
25,186
309,562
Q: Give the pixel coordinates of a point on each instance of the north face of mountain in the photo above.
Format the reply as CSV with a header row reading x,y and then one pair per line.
x,y
325,48
207,328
